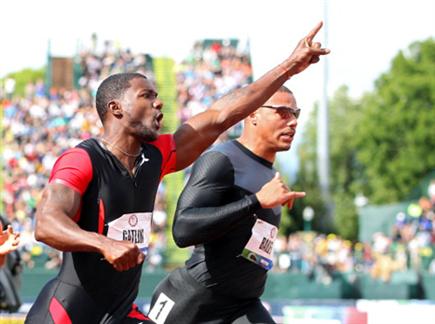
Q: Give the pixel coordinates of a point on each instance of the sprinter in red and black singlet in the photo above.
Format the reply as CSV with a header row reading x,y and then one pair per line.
x,y
101,190
108,191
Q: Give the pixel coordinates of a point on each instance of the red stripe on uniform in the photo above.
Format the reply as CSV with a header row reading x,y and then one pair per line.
x,y
137,314
58,313
101,216
76,217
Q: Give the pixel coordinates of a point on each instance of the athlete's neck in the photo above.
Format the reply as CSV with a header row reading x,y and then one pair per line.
x,y
125,148
258,148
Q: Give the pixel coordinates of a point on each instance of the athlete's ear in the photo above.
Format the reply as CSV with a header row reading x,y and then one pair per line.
x,y
114,107
252,118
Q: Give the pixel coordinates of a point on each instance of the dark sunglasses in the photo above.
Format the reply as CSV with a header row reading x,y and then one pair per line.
x,y
286,110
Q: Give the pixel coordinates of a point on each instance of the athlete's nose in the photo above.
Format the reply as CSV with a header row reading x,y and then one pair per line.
x,y
292,122
158,104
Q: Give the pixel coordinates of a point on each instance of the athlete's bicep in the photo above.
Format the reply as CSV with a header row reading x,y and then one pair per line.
x,y
58,208
195,136
59,199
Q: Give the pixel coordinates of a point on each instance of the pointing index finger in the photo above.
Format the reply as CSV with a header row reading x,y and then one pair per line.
x,y
296,194
314,31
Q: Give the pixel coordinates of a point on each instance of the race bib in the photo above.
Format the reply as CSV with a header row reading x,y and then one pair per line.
x,y
134,227
161,309
259,248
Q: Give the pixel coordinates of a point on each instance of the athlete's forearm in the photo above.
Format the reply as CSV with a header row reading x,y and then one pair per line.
x,y
62,233
238,104
199,225
202,130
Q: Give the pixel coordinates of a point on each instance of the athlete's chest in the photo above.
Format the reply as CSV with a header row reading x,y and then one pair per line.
x,y
249,178
122,192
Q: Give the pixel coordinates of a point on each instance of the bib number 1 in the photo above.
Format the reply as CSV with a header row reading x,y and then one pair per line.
x,y
161,309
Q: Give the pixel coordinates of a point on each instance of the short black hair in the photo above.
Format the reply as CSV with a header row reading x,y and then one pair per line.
x,y
113,88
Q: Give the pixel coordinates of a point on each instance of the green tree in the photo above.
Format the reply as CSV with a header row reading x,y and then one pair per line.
x,y
381,145
396,134
346,217
346,172
307,180
23,77
344,116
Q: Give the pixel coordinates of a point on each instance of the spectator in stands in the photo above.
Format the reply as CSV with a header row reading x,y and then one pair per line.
x,y
431,193
43,124
10,267
209,72
9,241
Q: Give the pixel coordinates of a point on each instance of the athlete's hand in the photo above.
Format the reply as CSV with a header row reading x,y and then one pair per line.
x,y
122,255
306,52
9,240
276,192
290,203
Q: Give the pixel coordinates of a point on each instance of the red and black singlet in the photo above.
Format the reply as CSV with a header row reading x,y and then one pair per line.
x,y
87,287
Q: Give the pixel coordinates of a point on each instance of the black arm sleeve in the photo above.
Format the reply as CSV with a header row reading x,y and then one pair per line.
x,y
203,213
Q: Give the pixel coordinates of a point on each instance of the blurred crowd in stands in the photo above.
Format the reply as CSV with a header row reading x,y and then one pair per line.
x,y
208,73
409,246
43,123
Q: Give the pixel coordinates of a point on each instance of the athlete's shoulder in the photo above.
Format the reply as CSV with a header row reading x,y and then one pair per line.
x,y
164,142
74,169
96,150
213,166
90,144
228,147
73,153
232,149
218,156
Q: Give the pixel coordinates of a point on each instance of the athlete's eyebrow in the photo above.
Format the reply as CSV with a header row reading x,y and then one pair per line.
x,y
148,91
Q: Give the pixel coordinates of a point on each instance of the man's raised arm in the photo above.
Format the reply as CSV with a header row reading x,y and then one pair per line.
x,y
200,131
